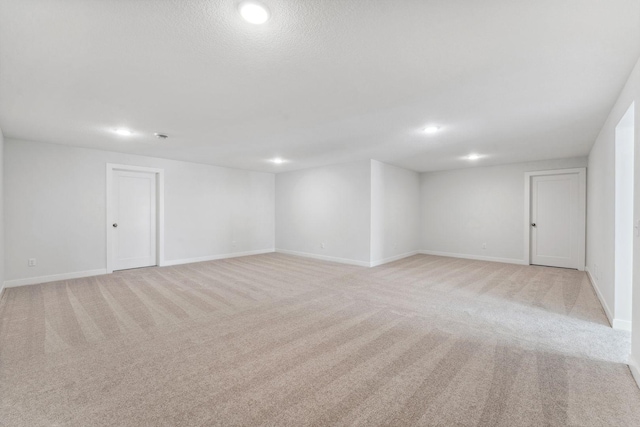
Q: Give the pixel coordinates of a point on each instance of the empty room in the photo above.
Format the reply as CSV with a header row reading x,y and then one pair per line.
x,y
319,213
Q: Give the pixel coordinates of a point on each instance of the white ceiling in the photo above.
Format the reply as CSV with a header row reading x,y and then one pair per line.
x,y
323,81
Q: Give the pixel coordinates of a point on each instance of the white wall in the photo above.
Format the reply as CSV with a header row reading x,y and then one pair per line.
x,y
56,209
395,212
601,204
601,214
1,211
623,266
327,205
463,209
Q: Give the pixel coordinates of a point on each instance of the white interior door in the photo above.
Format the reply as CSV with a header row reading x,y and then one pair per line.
x,y
555,220
134,219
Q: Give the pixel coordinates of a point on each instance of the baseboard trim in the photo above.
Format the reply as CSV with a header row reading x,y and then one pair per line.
x,y
53,278
475,257
324,258
168,263
80,274
603,303
622,325
635,370
392,259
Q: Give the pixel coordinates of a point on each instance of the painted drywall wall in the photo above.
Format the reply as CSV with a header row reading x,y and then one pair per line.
x,y
395,212
623,266
1,211
461,210
56,209
632,90
601,205
326,206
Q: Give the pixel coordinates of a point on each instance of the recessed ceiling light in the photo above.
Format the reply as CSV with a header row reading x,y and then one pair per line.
x,y
278,161
254,12
431,129
123,132
473,156
161,135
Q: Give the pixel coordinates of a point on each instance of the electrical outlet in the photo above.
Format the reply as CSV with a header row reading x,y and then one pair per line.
x,y
484,246
31,262
233,244
321,245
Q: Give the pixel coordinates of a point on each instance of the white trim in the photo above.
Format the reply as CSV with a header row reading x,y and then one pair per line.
x,y
635,370
603,303
475,257
582,182
325,258
53,278
392,259
622,325
110,167
216,257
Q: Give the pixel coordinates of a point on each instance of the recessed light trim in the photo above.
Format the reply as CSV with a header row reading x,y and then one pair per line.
x,y
161,135
254,12
431,129
123,132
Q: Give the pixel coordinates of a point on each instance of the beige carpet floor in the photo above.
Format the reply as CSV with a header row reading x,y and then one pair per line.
x,y
286,341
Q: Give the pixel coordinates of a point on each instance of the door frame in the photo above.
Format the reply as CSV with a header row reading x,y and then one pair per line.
x,y
582,202
111,167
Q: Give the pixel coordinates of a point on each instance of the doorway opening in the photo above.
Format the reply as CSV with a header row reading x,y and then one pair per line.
x,y
135,217
623,268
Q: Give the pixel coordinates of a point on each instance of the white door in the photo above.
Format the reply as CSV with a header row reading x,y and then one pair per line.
x,y
555,220
134,219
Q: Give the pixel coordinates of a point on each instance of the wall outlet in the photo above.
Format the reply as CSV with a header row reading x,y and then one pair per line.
x,y
484,246
233,244
321,245
31,262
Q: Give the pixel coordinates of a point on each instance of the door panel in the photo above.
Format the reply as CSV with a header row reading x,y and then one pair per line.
x,y
555,213
134,217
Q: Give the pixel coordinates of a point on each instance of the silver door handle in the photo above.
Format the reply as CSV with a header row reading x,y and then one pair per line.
x,y
115,225
533,224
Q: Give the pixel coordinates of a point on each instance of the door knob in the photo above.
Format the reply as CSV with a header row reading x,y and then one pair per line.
x,y
115,225
533,224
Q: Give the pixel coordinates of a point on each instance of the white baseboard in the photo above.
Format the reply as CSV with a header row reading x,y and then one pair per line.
x,y
596,288
392,259
475,257
635,370
88,273
167,263
53,278
622,325
324,258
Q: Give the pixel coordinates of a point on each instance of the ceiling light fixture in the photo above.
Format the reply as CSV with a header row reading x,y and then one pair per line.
x,y
278,161
431,129
161,135
123,132
473,156
254,12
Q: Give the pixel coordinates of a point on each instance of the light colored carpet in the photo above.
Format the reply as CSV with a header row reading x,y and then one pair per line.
x,y
280,340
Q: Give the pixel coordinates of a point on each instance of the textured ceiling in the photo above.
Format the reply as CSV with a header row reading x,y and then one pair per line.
x,y
323,81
